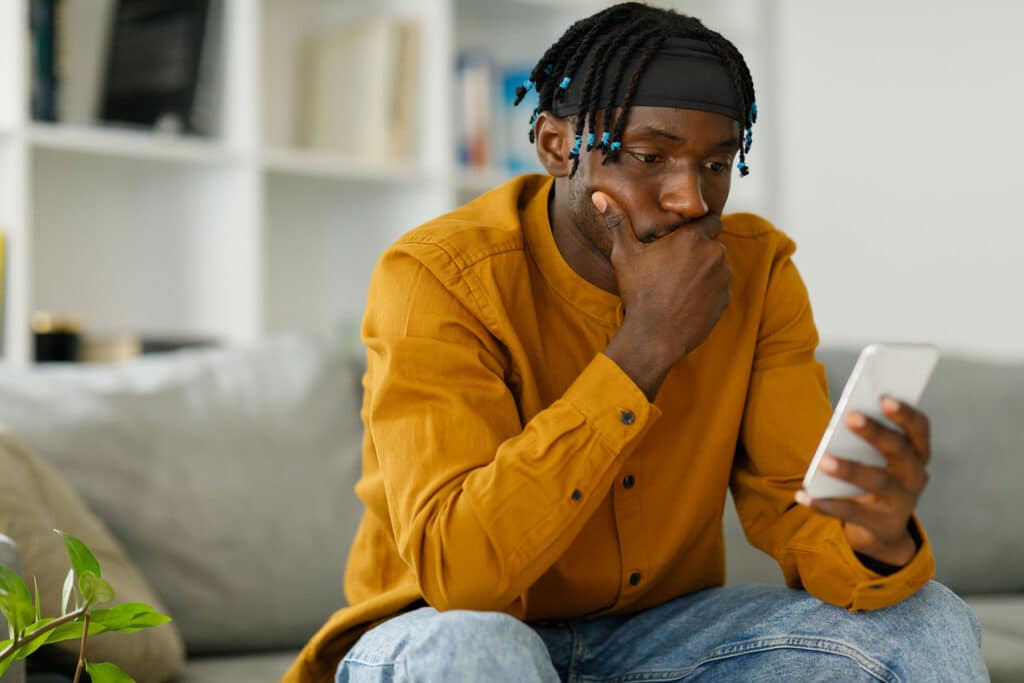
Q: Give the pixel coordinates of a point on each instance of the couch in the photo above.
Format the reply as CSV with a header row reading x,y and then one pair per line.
x,y
226,477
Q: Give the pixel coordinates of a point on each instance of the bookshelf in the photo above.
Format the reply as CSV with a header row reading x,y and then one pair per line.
x,y
245,232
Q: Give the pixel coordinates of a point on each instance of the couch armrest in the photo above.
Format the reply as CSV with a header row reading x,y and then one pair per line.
x,y
9,558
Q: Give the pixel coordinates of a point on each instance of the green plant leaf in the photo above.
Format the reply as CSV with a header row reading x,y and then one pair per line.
x,y
15,600
107,673
82,559
127,617
69,586
5,663
73,631
39,608
95,589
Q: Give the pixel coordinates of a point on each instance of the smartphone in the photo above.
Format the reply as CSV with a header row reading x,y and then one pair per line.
x,y
897,370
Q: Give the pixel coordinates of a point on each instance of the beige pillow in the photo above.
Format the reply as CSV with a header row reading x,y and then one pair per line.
x,y
34,500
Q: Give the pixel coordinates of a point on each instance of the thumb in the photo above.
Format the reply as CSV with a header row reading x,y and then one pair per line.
x,y
617,221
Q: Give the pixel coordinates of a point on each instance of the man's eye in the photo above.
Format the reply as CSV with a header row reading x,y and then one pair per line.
x,y
717,167
644,158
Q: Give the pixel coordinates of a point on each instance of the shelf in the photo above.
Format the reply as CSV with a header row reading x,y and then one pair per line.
x,y
128,144
311,163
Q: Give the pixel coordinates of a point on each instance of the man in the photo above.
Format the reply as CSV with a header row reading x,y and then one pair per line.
x,y
567,374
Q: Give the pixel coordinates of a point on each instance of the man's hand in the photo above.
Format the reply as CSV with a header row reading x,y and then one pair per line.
x,y
876,524
673,290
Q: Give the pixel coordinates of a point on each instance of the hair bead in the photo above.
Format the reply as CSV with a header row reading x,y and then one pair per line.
x,y
576,148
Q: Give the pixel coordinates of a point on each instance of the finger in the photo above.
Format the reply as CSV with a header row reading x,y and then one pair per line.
x,y
914,423
903,461
874,480
889,442
617,221
845,509
709,226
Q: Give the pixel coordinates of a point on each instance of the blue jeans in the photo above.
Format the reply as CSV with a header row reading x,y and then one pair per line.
x,y
742,633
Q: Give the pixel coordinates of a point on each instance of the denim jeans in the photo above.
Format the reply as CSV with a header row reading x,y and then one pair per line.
x,y
742,633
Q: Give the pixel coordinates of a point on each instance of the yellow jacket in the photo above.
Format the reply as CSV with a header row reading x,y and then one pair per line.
x,y
509,465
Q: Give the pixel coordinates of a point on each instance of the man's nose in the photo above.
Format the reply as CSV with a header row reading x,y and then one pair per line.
x,y
681,194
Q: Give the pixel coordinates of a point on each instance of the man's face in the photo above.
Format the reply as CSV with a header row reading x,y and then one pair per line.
x,y
675,166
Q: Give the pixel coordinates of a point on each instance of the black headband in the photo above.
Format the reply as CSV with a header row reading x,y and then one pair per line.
x,y
684,73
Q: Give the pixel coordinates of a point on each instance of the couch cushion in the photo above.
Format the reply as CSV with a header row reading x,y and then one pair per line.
x,y
245,669
34,500
227,475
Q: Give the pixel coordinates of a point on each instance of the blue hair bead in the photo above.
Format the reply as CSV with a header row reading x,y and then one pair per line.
x,y
604,138
527,85
590,142
564,85
548,69
616,146
753,113
576,147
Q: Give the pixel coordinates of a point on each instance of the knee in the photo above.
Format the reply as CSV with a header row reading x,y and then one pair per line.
x,y
482,630
492,644
934,631
944,613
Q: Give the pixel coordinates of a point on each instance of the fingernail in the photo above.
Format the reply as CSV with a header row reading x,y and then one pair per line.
x,y
890,404
599,202
803,498
856,420
829,464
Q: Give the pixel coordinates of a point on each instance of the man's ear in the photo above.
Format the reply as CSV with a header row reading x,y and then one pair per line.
x,y
554,142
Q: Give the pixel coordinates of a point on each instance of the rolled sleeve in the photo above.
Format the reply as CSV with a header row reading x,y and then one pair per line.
x,y
787,412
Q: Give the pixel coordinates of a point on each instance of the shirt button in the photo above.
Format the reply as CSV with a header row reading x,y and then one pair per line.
x,y
629,482
634,578
627,417
577,494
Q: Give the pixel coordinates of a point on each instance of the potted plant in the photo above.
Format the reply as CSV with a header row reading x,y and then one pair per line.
x,y
84,590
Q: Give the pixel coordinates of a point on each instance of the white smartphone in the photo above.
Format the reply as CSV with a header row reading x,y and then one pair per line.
x,y
897,370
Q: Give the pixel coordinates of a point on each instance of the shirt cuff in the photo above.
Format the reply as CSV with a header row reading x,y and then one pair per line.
x,y
612,403
874,590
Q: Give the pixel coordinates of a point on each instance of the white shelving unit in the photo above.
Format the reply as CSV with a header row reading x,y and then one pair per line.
x,y
244,234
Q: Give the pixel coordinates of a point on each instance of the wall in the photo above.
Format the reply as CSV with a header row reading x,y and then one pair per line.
x,y
902,165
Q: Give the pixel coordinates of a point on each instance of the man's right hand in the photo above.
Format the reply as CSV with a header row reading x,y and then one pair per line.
x,y
673,290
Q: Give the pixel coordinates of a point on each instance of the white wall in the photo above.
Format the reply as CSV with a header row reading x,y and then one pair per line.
x,y
902,167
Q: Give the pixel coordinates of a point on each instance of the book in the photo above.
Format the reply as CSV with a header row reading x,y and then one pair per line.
x,y
474,84
360,88
81,39
42,30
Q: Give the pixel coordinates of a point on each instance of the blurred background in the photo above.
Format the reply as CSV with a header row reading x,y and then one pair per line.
x,y
181,172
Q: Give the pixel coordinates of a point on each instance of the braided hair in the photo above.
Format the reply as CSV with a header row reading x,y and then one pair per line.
x,y
640,30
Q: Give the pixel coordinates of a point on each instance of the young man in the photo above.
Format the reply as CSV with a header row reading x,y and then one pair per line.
x,y
567,374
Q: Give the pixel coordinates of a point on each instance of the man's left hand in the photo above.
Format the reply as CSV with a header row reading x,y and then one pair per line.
x,y
876,524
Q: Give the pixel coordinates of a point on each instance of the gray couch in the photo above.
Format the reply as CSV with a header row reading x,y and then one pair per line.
x,y
227,476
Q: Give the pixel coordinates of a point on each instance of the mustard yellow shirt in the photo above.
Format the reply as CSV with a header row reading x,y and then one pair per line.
x,y
509,465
